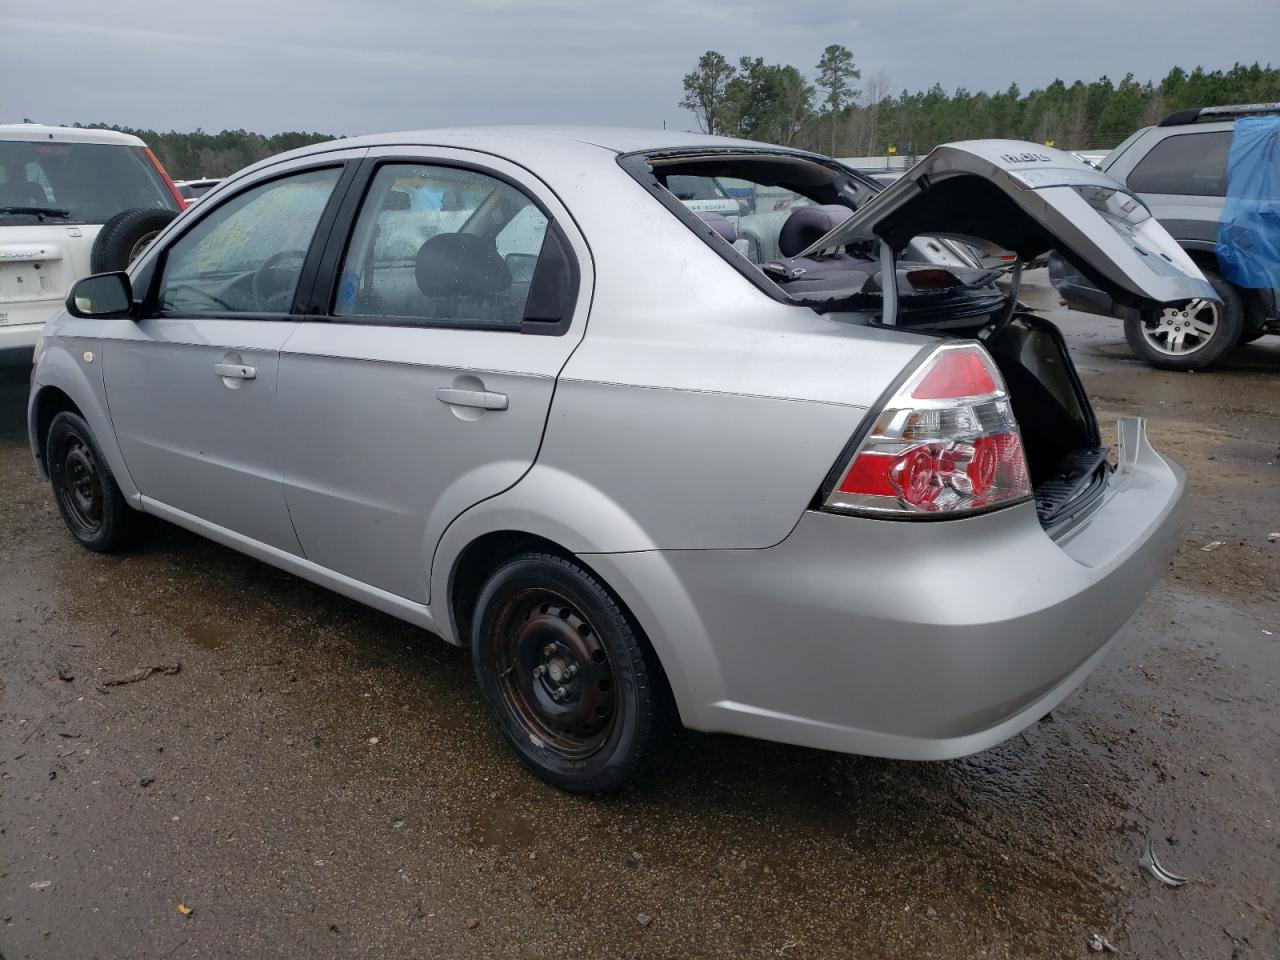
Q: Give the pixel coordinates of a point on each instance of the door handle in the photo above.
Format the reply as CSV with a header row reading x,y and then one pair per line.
x,y
235,371
483,399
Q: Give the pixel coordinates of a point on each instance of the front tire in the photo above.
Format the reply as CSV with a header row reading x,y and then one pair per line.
x,y
85,489
1190,337
567,675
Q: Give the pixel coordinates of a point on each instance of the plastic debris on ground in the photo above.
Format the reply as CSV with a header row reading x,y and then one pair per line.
x,y
1149,863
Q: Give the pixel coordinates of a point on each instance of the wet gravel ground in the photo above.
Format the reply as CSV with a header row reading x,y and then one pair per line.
x,y
316,779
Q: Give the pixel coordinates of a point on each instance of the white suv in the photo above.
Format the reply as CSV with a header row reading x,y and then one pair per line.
x,y
72,202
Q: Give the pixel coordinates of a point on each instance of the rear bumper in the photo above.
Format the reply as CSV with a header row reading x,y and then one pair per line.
x,y
924,640
17,343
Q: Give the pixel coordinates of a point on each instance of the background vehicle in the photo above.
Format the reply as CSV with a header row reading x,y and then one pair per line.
x,y
73,202
885,462
193,190
1179,169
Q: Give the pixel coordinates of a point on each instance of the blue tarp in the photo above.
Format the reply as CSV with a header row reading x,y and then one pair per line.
x,y
1249,236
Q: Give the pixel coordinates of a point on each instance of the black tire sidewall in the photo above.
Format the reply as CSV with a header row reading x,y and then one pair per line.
x,y
1228,335
637,705
119,520
119,235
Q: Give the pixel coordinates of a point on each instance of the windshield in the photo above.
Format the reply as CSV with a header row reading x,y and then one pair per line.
x,y
76,182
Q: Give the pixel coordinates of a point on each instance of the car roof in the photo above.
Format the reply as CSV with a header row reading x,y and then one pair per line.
x,y
503,140
38,131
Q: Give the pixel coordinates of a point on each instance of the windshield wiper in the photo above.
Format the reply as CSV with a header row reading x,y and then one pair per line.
x,y
39,211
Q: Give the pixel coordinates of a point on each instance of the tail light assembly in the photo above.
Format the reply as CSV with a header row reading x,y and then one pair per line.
x,y
946,444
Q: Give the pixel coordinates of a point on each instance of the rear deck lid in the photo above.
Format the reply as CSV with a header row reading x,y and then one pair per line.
x,y
1031,199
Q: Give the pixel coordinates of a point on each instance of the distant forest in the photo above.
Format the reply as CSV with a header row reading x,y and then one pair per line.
x,y
190,156
841,113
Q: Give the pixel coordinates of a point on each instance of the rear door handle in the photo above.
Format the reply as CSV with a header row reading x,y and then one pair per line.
x,y
484,399
235,371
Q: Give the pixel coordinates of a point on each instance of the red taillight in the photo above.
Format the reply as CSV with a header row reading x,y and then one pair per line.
x,y
945,444
933,279
164,175
954,375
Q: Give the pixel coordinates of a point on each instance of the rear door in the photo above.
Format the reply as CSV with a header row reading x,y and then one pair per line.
x,y
1031,199
422,386
193,385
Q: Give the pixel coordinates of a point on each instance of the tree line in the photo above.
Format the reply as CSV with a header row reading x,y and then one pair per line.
x,y
830,113
834,114
191,156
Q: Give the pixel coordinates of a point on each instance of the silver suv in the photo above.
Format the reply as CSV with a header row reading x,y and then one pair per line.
x,y
1179,169
506,385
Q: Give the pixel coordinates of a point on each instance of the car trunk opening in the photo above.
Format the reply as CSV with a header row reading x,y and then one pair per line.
x,y
1065,455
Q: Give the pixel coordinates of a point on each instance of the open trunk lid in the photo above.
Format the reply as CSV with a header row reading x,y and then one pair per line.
x,y
1030,199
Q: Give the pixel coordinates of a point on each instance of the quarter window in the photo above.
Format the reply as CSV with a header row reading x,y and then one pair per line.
x,y
246,255
1192,164
439,244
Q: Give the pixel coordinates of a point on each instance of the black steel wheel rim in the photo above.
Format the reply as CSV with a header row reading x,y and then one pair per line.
x,y
80,487
554,674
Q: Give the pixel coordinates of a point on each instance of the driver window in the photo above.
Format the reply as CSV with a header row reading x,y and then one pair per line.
x,y
246,256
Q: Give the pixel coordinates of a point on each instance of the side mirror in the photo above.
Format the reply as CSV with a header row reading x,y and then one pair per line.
x,y
102,295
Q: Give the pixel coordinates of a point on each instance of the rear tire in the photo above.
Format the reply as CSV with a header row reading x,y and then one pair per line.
x,y
85,489
1193,338
571,682
123,238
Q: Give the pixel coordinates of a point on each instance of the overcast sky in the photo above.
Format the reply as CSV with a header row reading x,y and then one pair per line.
x,y
369,65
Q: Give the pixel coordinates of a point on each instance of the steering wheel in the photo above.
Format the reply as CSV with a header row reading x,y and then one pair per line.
x,y
270,284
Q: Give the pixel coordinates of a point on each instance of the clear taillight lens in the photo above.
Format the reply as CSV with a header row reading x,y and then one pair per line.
x,y
946,444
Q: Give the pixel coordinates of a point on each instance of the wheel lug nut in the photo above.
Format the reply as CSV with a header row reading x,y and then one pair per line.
x,y
549,649
571,670
539,670
560,693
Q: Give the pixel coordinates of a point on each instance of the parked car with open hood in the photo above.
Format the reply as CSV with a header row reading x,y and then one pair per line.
x,y
73,201
849,499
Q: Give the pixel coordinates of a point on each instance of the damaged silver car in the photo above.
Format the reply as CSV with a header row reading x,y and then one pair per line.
x,y
834,487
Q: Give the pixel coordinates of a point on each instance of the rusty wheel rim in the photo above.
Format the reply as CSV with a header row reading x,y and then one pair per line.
x,y
554,674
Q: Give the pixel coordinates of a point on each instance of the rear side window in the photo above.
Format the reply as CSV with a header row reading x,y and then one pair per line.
x,y
76,182
442,245
1193,164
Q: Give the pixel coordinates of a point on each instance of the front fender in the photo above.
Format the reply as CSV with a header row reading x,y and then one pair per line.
x,y
74,366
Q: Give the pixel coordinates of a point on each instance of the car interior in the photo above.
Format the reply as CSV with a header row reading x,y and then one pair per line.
x,y
444,245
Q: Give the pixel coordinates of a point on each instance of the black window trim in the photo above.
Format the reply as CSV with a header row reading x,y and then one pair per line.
x,y
324,289
152,276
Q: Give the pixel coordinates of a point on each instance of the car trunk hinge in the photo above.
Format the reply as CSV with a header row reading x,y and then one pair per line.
x,y
996,327
888,285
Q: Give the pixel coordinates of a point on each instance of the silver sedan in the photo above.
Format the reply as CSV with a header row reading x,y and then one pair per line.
x,y
507,385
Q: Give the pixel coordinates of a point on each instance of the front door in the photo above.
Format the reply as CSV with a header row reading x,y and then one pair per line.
x,y
455,303
192,386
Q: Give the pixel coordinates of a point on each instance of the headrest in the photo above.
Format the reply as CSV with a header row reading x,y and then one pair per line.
x,y
720,224
809,224
460,265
